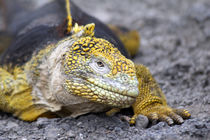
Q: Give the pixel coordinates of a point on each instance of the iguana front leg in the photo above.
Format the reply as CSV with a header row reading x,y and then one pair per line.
x,y
15,95
6,82
151,101
6,88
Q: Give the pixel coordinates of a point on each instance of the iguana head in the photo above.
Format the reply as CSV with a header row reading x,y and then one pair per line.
x,y
95,69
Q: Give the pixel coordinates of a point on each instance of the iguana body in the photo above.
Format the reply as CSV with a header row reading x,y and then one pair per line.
x,y
84,71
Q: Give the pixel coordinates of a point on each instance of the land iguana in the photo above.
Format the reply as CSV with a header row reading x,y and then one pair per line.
x,y
76,68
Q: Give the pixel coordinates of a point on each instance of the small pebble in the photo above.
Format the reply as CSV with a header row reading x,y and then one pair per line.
x,y
70,134
142,122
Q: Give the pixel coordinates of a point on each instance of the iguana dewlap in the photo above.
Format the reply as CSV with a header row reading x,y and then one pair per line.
x,y
77,74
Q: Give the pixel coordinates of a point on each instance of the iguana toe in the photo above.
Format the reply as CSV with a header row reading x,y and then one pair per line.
x,y
183,113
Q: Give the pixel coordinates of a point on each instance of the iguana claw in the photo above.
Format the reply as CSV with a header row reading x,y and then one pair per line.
x,y
165,114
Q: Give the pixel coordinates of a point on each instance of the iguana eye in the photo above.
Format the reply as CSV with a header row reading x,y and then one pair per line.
x,y
99,66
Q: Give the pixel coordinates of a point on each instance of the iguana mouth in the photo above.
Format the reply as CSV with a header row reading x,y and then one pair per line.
x,y
104,90
113,95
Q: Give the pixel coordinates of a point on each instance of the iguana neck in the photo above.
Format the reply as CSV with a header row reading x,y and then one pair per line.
x,y
44,74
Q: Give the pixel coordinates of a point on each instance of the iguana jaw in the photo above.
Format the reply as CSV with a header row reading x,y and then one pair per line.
x,y
103,90
116,87
113,93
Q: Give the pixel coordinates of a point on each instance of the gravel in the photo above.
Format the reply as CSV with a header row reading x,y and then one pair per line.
x,y
175,46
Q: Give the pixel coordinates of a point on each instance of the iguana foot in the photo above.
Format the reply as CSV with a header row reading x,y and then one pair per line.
x,y
165,114
151,101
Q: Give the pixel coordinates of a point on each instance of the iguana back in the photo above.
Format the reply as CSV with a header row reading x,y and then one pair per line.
x,y
30,37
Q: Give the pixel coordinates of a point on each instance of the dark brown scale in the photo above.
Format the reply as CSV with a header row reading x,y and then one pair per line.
x,y
123,66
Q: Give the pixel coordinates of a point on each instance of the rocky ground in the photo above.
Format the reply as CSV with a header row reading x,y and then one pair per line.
x,y
175,46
